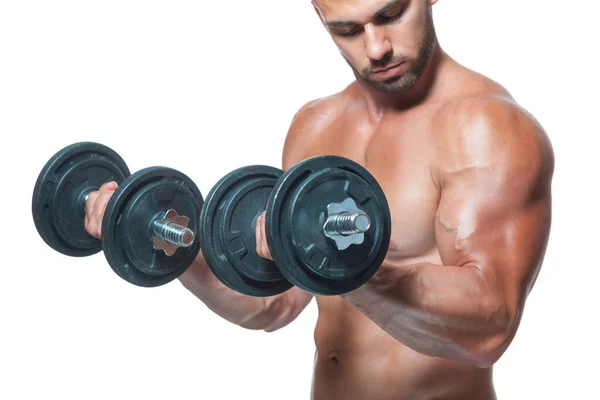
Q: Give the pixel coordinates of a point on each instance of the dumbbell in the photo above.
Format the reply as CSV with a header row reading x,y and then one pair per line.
x,y
327,222
149,225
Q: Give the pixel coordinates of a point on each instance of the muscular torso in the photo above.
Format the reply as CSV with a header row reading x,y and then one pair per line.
x,y
355,358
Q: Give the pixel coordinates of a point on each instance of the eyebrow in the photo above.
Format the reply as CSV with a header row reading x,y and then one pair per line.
x,y
389,6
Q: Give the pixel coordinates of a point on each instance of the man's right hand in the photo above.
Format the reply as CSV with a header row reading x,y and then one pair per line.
x,y
95,206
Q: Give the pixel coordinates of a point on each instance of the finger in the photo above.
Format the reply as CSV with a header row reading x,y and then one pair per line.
x,y
95,207
89,205
91,199
266,253
100,208
258,235
109,187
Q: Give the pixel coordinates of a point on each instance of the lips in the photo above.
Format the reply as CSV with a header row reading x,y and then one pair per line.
x,y
386,68
388,72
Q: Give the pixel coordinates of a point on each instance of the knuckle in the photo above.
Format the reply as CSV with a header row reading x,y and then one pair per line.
x,y
92,196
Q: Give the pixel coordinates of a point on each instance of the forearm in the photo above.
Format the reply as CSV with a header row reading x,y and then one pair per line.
x,y
440,311
255,313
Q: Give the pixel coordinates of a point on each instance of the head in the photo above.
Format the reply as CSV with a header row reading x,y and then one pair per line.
x,y
387,43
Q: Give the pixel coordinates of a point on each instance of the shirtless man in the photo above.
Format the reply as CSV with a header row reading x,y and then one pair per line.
x,y
467,173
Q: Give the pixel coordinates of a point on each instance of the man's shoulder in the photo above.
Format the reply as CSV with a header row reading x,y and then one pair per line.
x,y
322,110
486,115
308,123
490,130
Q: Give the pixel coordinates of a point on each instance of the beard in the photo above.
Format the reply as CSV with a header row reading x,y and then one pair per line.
x,y
405,82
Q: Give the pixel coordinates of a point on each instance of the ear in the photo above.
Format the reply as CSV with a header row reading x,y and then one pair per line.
x,y
432,2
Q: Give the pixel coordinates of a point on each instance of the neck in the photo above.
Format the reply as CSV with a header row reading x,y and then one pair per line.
x,y
378,102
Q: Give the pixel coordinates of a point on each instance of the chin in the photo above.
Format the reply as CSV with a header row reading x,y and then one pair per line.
x,y
390,85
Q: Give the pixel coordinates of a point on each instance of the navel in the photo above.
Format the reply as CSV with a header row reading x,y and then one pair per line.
x,y
333,358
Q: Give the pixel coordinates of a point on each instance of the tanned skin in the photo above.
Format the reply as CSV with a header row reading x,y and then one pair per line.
x,y
467,173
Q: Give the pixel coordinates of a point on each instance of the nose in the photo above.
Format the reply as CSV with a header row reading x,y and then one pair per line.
x,y
377,44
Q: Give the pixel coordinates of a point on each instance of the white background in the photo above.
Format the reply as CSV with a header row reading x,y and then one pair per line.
x,y
206,87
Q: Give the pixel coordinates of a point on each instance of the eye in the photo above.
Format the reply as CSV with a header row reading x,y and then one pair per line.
x,y
390,16
349,32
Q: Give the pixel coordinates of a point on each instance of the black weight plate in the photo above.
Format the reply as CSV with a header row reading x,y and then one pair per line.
x,y
296,213
127,226
58,201
227,233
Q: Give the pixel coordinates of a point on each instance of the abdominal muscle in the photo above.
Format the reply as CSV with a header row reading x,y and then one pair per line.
x,y
355,359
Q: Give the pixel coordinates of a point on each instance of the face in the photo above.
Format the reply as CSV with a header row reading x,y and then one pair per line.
x,y
387,43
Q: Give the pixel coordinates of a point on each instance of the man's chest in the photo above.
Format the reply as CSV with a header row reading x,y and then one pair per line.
x,y
401,161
